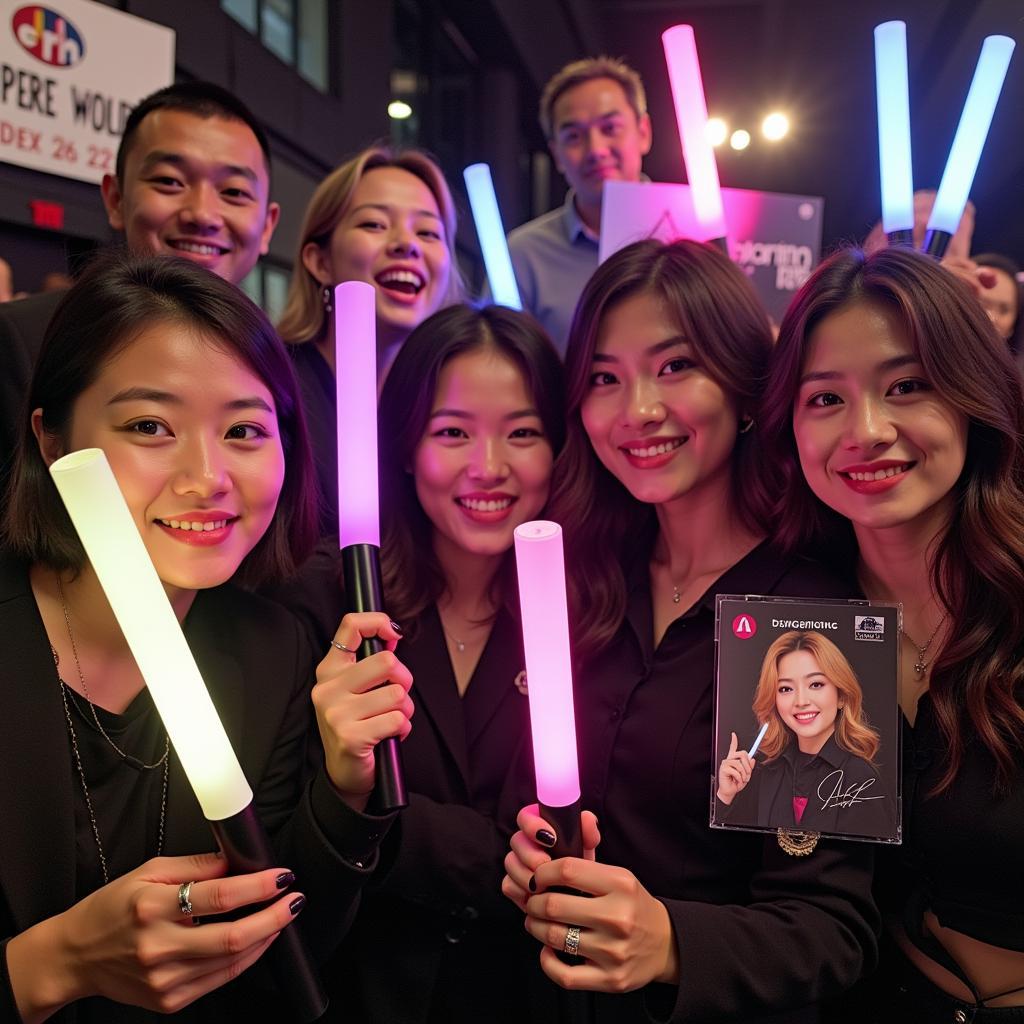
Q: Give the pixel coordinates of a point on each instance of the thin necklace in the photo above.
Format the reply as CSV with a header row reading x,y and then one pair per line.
x,y
920,666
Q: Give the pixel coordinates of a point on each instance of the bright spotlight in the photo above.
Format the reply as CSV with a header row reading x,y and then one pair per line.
x,y
717,131
399,110
740,139
775,126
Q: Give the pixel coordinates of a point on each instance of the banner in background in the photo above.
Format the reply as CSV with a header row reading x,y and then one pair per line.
x,y
70,73
774,238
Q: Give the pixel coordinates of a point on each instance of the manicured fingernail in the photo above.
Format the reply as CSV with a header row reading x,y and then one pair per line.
x,y
396,627
284,880
533,883
297,904
545,838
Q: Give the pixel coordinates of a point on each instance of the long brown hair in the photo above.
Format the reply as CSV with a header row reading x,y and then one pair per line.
x,y
717,311
977,566
852,731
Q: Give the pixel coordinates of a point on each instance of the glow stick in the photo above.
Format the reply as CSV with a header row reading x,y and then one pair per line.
x,y
137,597
892,94
355,340
540,565
487,217
692,117
757,740
971,133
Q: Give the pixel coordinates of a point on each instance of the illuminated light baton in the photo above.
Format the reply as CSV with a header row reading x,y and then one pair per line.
x,y
757,740
116,552
971,132
892,94
355,338
540,565
692,118
489,229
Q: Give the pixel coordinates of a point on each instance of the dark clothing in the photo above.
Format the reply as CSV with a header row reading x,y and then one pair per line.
x,y
761,935
434,939
319,404
258,669
768,799
22,326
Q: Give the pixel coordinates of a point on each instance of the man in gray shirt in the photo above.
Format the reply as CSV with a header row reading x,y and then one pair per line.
x,y
594,116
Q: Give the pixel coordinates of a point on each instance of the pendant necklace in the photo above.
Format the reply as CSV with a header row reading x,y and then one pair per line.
x,y
920,665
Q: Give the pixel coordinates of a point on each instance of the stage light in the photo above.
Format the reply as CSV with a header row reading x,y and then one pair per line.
x,y
717,131
775,126
740,139
399,110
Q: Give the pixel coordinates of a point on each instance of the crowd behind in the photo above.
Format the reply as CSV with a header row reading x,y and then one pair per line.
x,y
869,446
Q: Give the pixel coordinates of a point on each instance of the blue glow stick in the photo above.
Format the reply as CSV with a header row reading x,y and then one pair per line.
x,y
892,94
971,133
757,740
487,218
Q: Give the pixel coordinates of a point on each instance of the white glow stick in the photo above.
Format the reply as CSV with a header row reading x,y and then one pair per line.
x,y
487,217
757,740
892,94
979,107
115,549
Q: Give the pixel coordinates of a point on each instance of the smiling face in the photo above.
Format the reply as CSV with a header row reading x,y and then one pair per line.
x,y
483,466
877,443
807,700
657,420
196,187
597,137
392,236
191,435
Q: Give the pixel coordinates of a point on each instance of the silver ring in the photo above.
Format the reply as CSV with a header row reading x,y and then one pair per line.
x,y
184,891
342,647
572,941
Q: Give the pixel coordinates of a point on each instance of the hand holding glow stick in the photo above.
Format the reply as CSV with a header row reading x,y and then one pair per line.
x,y
968,142
355,334
892,93
116,552
692,118
489,229
540,565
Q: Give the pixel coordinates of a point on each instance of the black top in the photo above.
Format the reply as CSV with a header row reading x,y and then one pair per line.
x,y
759,933
963,846
842,791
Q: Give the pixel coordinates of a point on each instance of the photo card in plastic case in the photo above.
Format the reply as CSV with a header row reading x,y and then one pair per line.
x,y
807,724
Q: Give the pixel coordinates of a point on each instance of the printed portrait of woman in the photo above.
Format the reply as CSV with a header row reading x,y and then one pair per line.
x,y
817,766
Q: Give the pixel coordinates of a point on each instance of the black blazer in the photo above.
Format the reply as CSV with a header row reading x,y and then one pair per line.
x,y
258,669
434,939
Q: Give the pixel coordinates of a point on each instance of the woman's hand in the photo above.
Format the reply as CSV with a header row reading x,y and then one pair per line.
x,y
734,772
130,942
978,279
358,704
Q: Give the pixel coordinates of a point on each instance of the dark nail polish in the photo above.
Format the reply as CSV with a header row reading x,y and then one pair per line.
x,y
297,904
396,627
533,883
284,880
545,838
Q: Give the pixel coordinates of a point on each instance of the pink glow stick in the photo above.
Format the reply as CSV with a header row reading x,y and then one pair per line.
x,y
541,567
355,341
692,118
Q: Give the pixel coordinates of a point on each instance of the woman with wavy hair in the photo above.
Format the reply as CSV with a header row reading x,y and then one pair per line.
x,y
818,767
666,357
896,418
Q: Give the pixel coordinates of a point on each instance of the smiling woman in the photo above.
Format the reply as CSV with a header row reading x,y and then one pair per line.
x,y
183,384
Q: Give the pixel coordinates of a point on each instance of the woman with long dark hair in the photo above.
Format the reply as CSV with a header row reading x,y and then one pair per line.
x,y
896,417
666,358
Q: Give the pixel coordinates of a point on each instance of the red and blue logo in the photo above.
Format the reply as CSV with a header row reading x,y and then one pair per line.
x,y
48,36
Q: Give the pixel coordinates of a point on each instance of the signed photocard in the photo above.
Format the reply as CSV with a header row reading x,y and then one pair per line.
x,y
807,718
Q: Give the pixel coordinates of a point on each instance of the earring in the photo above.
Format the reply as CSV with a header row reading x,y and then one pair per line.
x,y
328,297
746,424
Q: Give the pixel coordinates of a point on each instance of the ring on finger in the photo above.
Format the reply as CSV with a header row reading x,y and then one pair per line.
x,y
572,941
184,892
342,647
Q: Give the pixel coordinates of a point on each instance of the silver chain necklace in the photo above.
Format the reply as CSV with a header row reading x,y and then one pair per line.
x,y
133,762
921,665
